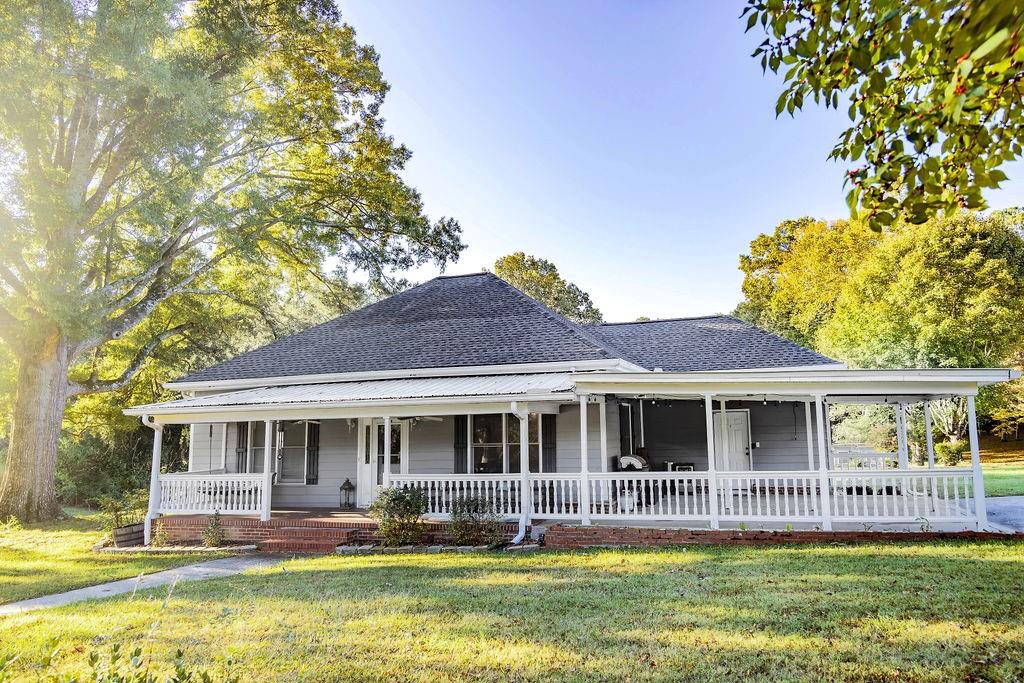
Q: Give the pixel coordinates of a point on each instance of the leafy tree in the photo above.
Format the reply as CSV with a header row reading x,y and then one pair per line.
x,y
947,293
154,157
540,279
793,276
933,91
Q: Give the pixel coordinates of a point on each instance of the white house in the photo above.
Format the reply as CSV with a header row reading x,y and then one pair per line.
x,y
466,386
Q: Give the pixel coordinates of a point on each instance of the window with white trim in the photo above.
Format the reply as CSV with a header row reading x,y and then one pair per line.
x,y
495,443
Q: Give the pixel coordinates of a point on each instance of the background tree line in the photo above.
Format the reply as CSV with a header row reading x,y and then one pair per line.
x,y
948,292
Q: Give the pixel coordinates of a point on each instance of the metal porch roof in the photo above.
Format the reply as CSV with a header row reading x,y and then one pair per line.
x,y
376,390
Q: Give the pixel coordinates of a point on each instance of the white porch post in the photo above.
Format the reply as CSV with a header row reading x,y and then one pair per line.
x,y
525,505
268,466
823,480
709,423
901,436
224,446
154,477
979,481
810,439
928,440
386,475
602,406
584,464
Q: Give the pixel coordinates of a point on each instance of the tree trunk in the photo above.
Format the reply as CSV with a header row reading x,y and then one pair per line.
x,y
27,490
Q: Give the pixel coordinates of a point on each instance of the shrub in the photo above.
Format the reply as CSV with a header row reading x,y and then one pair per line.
x,y
213,533
160,537
398,514
474,522
951,453
128,508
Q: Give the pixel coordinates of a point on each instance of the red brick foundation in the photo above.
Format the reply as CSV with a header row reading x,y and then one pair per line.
x,y
291,531
568,536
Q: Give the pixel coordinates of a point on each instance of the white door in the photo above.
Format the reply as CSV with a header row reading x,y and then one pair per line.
x,y
371,456
738,457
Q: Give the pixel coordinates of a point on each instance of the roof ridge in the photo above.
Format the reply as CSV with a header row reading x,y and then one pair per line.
x,y
574,328
668,320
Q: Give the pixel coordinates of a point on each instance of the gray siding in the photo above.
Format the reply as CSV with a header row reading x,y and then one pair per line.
x,y
567,440
675,432
337,463
205,453
432,446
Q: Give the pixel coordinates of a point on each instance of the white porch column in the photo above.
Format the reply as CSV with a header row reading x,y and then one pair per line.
x,y
979,482
824,486
709,424
928,440
224,446
525,504
268,468
154,476
810,438
386,475
602,406
901,437
584,464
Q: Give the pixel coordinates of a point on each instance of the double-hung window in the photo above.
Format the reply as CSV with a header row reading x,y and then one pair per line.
x,y
495,443
290,455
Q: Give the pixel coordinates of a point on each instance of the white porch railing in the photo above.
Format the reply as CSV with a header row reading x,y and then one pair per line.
x,y
650,495
902,495
555,496
861,456
769,496
229,494
501,490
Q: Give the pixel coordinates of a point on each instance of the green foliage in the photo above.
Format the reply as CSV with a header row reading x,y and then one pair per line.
x,y
932,90
474,522
213,532
541,280
178,176
951,453
120,665
128,508
398,512
159,538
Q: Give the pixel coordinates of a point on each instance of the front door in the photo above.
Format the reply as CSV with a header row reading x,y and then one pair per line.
x,y
738,457
371,460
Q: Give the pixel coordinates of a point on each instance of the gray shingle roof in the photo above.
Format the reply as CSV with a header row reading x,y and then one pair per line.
x,y
479,319
453,321
715,342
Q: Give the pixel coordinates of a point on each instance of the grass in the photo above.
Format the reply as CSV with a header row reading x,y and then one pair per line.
x,y
1002,463
40,559
887,611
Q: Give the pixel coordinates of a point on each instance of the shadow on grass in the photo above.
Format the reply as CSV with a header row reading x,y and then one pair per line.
x,y
920,612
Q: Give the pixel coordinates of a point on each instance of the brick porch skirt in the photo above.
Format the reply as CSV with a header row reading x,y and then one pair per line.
x,y
568,536
189,529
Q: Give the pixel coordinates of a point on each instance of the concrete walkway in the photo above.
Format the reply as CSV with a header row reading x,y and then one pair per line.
x,y
211,569
1006,510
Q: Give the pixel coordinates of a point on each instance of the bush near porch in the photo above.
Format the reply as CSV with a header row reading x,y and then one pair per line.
x,y
946,611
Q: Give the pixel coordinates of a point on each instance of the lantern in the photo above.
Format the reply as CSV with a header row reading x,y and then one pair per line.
x,y
347,495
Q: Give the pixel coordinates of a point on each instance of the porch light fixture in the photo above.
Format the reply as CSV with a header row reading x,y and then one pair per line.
x,y
347,497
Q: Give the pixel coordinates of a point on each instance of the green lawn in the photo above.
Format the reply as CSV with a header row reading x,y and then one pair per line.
x,y
948,611
1002,463
49,558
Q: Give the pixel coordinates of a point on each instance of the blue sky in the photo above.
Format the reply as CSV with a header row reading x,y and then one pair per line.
x,y
632,143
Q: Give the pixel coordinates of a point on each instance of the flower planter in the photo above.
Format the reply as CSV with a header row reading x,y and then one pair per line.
x,y
131,535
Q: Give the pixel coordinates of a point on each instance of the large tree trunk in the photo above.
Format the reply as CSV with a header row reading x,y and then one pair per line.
x,y
27,490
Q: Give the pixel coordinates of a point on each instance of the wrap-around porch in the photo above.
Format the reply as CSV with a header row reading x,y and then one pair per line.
x,y
736,472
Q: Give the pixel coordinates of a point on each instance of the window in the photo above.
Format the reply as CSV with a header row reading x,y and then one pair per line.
x,y
257,434
291,453
495,443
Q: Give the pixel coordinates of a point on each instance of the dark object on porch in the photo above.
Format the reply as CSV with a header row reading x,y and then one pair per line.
x,y
131,535
887,490
348,500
